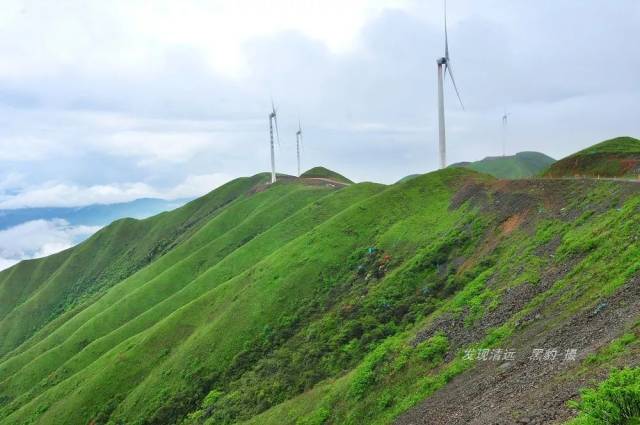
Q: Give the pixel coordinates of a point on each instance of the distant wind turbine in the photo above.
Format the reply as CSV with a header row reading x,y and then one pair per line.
x,y
504,133
446,62
273,121
298,144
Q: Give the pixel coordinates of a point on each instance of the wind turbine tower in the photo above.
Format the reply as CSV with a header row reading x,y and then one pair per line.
x,y
273,122
504,133
298,144
444,65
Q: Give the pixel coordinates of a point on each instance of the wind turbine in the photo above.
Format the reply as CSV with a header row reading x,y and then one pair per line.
x,y
446,63
504,133
273,120
298,144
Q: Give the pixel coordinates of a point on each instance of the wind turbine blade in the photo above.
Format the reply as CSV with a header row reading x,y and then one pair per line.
x,y
446,36
275,119
453,80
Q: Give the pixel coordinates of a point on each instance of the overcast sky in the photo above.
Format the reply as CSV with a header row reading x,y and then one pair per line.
x,y
104,101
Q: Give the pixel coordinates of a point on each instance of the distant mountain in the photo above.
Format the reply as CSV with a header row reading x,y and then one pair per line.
x,y
520,165
92,215
619,157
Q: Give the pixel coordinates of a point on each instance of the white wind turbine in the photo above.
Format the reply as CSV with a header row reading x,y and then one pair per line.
x,y
298,144
504,133
446,63
273,120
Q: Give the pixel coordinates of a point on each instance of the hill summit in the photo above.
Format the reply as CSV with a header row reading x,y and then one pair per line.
x,y
325,173
619,157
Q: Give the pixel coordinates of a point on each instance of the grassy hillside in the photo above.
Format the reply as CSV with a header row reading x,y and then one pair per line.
x,y
299,303
323,173
619,157
36,292
520,165
407,178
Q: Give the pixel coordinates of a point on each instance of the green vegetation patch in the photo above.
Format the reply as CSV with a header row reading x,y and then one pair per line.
x,y
616,401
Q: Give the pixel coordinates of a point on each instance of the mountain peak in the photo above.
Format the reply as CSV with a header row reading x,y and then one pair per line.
x,y
521,165
325,173
618,157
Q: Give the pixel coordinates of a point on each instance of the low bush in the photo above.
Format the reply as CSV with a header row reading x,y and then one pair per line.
x,y
616,401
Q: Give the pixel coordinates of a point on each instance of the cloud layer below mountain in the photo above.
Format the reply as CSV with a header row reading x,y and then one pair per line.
x,y
39,238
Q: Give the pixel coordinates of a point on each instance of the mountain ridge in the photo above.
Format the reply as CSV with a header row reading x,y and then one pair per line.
x,y
305,303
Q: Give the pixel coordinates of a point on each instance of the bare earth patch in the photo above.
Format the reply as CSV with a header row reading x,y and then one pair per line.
x,y
530,391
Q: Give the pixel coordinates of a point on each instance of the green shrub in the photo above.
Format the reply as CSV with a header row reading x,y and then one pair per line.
x,y
211,398
616,401
385,400
433,349
365,375
318,417
379,362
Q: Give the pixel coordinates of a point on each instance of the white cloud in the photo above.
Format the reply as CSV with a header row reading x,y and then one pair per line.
x,y
52,38
39,238
197,185
68,195
5,264
107,93
27,148
153,147
11,181
54,194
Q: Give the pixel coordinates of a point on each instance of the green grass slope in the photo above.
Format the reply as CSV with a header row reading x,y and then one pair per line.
x,y
324,173
520,165
619,157
298,303
407,178
63,282
210,244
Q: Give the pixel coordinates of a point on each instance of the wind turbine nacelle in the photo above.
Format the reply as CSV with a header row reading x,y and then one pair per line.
x,y
442,61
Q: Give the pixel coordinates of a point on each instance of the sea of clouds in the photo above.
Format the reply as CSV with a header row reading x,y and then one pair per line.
x,y
39,238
